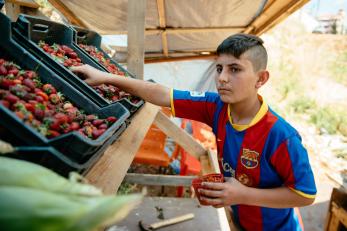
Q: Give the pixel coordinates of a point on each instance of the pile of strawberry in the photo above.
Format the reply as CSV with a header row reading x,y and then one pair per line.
x,y
62,54
65,55
42,107
99,56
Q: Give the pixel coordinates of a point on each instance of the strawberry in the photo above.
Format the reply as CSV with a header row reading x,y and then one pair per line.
x,y
111,119
3,70
97,132
11,98
5,103
29,83
39,99
29,107
39,113
61,117
14,71
29,74
91,117
103,126
97,122
6,83
48,89
52,133
74,126
54,98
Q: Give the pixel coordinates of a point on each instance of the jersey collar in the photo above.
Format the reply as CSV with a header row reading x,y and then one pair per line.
x,y
260,114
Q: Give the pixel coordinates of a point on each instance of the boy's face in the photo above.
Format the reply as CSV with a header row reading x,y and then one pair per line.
x,y
235,78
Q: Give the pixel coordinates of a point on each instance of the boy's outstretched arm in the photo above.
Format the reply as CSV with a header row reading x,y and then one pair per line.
x,y
233,192
150,92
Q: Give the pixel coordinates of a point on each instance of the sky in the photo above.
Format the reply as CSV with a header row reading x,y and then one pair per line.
x,y
319,7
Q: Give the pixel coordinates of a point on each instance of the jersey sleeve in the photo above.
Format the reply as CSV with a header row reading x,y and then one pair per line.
x,y
292,164
198,106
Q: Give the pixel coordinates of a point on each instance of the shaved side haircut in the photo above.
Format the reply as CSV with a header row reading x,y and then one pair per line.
x,y
250,46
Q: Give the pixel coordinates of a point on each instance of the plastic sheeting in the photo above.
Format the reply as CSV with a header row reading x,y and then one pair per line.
x,y
197,75
106,16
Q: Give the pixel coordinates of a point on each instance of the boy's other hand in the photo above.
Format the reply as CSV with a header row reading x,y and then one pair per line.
x,y
92,76
222,194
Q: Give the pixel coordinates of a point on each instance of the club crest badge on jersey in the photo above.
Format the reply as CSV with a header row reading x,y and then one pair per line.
x,y
197,94
249,158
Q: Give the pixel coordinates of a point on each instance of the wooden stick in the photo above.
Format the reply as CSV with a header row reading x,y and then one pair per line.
x,y
172,221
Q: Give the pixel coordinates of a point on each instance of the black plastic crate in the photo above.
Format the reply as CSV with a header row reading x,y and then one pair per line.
x,y
29,30
53,159
92,38
73,145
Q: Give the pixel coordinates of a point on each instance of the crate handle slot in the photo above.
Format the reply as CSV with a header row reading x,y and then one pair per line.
x,y
40,28
81,34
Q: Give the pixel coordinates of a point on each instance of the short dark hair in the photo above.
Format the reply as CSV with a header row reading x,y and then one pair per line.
x,y
238,44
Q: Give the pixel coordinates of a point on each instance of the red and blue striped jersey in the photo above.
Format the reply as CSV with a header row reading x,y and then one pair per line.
x,y
267,153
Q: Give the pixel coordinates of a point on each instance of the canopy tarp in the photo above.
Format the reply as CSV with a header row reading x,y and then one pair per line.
x,y
187,28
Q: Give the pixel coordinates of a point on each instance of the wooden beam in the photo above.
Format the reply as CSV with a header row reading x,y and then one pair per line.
x,y
180,136
136,37
110,170
25,3
177,59
157,31
165,180
162,24
268,18
280,15
69,15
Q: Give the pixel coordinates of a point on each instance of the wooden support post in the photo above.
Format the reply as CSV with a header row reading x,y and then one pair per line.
x,y
136,36
162,24
12,10
180,136
110,170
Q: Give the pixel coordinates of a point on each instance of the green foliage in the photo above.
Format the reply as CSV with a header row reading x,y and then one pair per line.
x,y
303,104
332,119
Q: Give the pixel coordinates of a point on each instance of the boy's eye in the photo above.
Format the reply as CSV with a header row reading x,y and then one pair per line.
x,y
219,69
234,69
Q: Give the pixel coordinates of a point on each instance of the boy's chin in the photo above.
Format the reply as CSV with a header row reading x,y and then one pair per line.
x,y
227,100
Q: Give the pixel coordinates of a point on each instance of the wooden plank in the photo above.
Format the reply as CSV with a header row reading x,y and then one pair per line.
x,y
69,15
12,10
274,11
206,168
166,180
180,136
177,59
213,159
26,3
136,37
110,170
162,24
280,16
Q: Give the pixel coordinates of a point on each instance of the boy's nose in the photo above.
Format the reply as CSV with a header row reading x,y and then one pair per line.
x,y
223,77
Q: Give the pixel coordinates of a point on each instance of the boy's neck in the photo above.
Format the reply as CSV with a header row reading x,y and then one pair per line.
x,y
243,112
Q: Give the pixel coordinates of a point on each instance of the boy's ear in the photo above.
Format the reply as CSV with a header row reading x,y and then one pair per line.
x,y
263,77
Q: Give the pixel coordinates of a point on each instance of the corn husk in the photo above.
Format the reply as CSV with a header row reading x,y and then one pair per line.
x,y
25,174
29,209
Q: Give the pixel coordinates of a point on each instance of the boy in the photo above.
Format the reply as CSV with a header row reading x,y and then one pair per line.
x,y
262,153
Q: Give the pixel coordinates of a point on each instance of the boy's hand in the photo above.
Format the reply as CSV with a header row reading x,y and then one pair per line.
x,y
222,194
93,77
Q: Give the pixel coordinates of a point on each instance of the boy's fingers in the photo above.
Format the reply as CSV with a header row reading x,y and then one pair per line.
x,y
210,193
211,201
215,186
